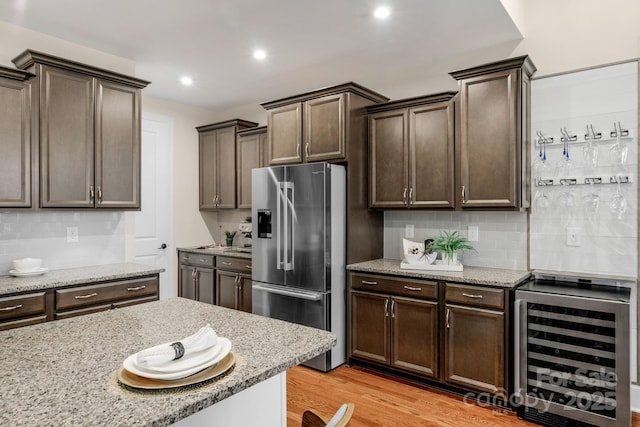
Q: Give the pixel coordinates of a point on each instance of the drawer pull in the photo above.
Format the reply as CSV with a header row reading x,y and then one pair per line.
x,y
85,296
226,263
411,288
248,266
186,257
137,288
204,260
471,295
13,307
447,318
367,282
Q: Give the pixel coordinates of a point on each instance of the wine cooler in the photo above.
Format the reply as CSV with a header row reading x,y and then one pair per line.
x,y
572,352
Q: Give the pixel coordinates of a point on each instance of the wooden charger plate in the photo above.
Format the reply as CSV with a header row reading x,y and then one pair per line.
x,y
135,381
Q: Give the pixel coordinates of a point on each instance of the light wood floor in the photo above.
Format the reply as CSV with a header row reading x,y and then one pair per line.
x,y
382,401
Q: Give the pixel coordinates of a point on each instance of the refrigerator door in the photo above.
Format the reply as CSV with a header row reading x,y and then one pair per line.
x,y
301,307
267,217
307,234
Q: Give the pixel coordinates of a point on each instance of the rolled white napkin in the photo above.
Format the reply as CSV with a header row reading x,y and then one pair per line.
x,y
159,355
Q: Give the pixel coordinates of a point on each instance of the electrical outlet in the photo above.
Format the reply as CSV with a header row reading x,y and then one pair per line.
x,y
408,230
472,233
72,234
573,236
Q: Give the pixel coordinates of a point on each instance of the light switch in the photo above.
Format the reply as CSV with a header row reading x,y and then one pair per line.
x,y
472,233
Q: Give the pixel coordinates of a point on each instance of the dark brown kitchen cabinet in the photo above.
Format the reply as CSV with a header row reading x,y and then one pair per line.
x,y
314,126
15,128
251,153
475,339
492,151
89,134
217,163
22,310
196,279
233,283
411,153
390,328
92,298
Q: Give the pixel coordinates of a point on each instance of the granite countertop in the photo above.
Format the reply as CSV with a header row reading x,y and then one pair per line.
x,y
63,373
217,251
74,276
484,276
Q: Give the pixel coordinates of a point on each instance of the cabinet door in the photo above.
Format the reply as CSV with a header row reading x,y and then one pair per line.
x,y
414,336
207,153
324,129
226,168
431,156
489,140
117,145
264,150
284,126
15,126
370,326
244,293
187,282
388,159
474,348
227,290
66,139
205,284
248,158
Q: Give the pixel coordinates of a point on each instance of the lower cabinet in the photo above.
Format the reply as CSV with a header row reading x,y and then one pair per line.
x,y
233,278
22,310
196,279
392,329
445,332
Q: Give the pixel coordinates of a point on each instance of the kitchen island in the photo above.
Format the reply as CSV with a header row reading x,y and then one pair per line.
x,y
65,372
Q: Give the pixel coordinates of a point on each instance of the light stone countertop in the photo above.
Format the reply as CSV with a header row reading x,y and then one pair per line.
x,y
483,276
75,276
63,373
217,251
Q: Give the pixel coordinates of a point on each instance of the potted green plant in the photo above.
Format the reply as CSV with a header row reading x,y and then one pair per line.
x,y
229,235
450,244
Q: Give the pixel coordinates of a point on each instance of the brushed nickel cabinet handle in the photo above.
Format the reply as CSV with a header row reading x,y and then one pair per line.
x,y
248,266
91,194
204,260
137,288
386,305
393,309
447,319
463,194
186,257
306,150
86,296
471,295
226,263
298,150
404,196
99,195
11,308
411,196
367,282
411,288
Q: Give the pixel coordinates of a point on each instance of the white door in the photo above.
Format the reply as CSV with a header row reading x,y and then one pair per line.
x,y
154,223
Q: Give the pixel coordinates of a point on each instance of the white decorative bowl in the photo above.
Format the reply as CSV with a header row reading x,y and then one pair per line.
x,y
27,264
419,257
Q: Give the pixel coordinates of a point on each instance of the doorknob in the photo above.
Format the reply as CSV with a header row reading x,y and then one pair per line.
x,y
163,246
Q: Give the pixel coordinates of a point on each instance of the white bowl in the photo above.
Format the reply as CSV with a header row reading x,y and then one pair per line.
x,y
27,264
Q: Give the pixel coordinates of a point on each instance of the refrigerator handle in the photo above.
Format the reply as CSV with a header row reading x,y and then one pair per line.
x,y
305,296
292,228
278,229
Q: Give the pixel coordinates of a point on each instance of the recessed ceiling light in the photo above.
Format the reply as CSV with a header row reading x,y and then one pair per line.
x,y
186,80
382,12
259,54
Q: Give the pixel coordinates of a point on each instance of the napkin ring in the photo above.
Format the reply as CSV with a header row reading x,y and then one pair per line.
x,y
179,349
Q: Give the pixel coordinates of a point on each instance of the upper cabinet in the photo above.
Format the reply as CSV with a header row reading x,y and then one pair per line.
x,y
89,134
411,147
314,126
250,153
217,163
492,152
15,131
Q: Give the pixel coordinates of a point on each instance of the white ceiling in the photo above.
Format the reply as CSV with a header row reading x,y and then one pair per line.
x,y
310,43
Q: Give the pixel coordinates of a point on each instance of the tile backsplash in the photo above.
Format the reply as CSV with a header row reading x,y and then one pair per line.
x,y
502,236
101,238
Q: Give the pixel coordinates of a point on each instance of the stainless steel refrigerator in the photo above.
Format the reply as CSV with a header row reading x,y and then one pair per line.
x,y
298,269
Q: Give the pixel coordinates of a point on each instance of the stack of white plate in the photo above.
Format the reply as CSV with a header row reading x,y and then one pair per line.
x,y
181,368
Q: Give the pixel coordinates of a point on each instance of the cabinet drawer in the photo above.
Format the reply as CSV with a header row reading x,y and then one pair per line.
x,y
22,305
11,324
85,296
198,260
395,286
235,264
475,295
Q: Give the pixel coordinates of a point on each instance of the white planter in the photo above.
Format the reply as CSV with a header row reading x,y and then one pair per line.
x,y
453,260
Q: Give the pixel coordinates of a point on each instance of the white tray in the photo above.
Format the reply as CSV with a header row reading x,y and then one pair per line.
x,y
435,266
